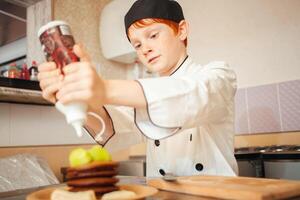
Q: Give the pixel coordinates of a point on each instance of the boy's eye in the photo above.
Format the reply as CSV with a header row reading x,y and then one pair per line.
x,y
137,46
152,36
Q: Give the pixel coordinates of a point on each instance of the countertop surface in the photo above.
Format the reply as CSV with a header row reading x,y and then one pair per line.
x,y
161,195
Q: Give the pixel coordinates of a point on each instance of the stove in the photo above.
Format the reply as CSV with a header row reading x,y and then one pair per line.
x,y
275,161
268,149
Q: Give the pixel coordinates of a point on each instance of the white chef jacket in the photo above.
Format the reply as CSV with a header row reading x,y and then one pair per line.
x,y
188,121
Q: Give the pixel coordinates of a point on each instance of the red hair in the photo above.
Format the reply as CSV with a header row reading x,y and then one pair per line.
x,y
145,22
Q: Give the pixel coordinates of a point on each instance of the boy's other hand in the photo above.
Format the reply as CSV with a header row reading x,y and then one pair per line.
x,y
82,83
50,79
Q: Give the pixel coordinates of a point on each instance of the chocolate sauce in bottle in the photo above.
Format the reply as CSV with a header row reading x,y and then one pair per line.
x,y
57,43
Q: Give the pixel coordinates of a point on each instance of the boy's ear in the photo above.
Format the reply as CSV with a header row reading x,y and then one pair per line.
x,y
183,30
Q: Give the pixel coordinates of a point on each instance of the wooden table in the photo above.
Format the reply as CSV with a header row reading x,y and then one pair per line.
x,y
161,195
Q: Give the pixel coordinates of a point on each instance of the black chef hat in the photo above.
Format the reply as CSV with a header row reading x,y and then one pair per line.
x,y
161,9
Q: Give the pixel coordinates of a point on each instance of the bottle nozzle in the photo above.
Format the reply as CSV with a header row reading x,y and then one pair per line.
x,y
78,128
75,114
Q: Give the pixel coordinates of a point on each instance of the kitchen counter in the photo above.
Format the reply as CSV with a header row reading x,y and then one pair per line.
x,y
161,195
251,160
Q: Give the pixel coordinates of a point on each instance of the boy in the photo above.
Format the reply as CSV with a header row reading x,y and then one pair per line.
x,y
186,113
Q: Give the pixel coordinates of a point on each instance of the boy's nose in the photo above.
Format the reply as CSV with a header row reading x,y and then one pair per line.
x,y
146,50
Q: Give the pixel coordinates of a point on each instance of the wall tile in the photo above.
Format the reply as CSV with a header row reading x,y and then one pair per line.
x,y
289,97
25,124
55,129
241,116
263,108
4,124
42,125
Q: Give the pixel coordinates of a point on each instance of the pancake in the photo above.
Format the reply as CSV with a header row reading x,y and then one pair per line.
x,y
97,176
86,174
95,181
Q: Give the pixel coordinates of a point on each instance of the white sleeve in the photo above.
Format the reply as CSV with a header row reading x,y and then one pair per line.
x,y
125,133
175,103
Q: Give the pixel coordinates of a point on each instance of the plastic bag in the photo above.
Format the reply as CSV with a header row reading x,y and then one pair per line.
x,y
24,171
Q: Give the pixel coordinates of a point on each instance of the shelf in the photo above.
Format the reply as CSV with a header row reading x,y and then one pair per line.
x,y
21,91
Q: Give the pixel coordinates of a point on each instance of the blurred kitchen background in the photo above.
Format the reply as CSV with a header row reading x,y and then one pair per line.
x,y
258,38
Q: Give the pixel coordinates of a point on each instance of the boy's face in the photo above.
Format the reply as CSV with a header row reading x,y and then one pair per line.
x,y
157,47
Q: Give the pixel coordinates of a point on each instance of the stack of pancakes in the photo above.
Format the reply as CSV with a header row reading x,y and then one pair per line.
x,y
98,176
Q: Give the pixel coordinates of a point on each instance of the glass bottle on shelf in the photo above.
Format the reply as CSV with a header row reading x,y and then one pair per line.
x,y
33,70
5,72
25,72
13,71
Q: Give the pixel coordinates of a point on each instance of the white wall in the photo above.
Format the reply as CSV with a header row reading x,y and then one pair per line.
x,y
260,39
23,125
13,50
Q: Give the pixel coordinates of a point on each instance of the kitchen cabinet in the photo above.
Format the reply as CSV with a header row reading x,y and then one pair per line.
x,y
21,91
277,162
36,13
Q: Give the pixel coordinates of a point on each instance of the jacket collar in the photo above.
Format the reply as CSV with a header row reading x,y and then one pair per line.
x,y
182,67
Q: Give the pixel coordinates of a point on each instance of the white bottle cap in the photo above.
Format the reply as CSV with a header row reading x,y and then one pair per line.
x,y
51,25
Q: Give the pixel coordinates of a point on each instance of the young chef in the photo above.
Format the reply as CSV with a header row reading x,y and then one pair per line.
x,y
186,113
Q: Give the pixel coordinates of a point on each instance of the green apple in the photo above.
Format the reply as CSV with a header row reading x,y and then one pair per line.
x,y
99,154
79,157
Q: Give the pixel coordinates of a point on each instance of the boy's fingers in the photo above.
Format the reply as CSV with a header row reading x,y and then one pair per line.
x,y
49,92
72,78
76,96
49,74
71,68
49,81
70,88
81,53
47,66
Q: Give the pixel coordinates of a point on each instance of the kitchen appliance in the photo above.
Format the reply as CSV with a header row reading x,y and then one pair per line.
x,y
132,168
285,165
114,43
249,161
276,161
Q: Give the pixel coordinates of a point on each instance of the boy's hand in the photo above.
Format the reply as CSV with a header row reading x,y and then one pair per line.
x,y
50,79
82,83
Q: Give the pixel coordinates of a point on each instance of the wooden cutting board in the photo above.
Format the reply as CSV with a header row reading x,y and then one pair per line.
x,y
239,188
